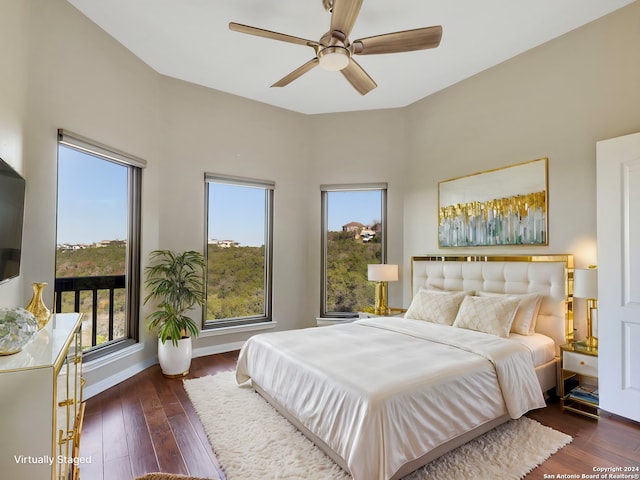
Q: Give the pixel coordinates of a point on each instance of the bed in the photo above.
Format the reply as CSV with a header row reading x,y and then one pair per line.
x,y
383,396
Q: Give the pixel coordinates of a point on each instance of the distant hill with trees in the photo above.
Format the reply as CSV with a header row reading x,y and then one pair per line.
x,y
348,289
91,261
235,282
236,274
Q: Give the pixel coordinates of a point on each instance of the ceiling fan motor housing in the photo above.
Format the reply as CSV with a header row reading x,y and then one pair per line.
x,y
334,53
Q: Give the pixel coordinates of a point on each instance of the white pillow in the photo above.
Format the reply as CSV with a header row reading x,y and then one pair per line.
x,y
435,307
492,315
524,322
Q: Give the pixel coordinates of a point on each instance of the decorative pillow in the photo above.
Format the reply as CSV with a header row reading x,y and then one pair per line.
x,y
524,322
492,315
435,307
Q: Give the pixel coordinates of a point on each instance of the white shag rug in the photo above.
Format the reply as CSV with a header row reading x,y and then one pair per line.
x,y
253,441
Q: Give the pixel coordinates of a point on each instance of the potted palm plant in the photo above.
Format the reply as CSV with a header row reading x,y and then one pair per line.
x,y
175,281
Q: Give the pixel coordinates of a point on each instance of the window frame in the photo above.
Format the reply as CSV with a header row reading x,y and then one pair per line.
x,y
325,190
133,267
269,188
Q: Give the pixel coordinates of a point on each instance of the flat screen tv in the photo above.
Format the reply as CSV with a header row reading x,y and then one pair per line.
x,y
12,191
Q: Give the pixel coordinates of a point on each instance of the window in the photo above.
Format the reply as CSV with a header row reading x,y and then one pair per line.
x,y
239,250
98,241
353,236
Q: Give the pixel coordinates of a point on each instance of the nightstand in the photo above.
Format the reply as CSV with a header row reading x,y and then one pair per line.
x,y
579,380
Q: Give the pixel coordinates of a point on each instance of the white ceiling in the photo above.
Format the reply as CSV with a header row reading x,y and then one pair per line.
x,y
190,40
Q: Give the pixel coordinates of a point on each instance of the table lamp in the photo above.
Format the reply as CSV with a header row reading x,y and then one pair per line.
x,y
382,273
585,285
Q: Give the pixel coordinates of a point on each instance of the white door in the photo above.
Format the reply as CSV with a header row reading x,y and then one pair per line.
x,y
618,180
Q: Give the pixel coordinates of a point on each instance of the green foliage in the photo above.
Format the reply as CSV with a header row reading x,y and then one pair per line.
x,y
348,289
235,277
94,261
89,262
175,280
235,282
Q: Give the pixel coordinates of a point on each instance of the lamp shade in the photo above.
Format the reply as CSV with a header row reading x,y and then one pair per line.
x,y
585,283
381,272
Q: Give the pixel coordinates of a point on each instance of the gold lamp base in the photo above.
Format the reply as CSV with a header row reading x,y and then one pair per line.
x,y
592,306
381,307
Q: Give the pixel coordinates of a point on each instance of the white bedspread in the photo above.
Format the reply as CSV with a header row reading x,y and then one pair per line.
x,y
384,391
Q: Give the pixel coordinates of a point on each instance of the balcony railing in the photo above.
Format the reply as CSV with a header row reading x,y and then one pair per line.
x,y
113,284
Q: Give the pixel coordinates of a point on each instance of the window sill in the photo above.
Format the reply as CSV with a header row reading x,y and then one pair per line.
x,y
214,332
326,321
114,356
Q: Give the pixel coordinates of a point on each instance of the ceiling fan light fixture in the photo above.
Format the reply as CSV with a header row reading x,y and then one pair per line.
x,y
333,58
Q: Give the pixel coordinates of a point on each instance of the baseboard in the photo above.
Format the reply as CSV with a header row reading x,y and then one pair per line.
x,y
106,383
215,349
619,418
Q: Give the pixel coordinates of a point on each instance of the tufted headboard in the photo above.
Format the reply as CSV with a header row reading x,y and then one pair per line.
x,y
548,275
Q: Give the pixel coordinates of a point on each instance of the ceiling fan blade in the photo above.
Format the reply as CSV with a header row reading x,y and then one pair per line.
x,y
298,72
344,14
260,32
405,41
357,77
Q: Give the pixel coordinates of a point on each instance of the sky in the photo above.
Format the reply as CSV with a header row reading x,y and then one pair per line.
x,y
361,206
241,215
92,202
236,213
92,198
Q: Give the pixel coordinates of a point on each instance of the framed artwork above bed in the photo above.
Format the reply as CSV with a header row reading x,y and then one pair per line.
x,y
505,206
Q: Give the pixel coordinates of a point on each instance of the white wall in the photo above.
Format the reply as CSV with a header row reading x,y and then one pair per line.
x,y
554,101
14,33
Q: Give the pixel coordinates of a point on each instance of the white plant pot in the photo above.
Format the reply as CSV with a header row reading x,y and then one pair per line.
x,y
175,361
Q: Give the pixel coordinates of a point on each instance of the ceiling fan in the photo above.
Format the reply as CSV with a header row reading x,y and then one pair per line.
x,y
335,51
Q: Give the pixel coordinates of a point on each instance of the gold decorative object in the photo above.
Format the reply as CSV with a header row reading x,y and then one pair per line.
x,y
37,306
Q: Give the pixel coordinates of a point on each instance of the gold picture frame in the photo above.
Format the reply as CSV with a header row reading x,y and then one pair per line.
x,y
504,206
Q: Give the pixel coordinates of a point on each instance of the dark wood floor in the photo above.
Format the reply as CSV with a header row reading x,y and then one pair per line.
x,y
147,424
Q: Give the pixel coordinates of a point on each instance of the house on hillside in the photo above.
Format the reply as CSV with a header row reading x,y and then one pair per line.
x,y
227,243
354,227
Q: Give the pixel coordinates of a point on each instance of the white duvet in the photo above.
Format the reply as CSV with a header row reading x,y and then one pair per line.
x,y
385,391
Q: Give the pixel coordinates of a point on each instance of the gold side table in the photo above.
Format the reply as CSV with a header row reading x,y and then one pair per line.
x,y
579,379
